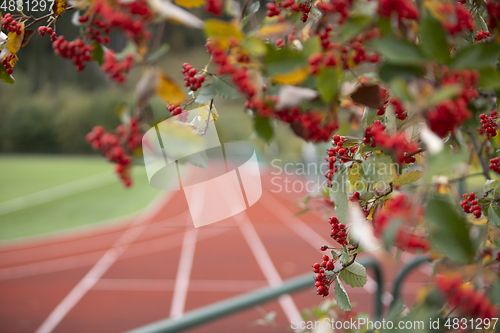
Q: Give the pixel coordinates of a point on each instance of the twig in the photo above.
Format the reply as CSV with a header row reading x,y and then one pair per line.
x,y
484,165
35,20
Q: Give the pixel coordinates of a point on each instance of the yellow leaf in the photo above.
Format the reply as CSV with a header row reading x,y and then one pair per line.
x,y
203,112
15,41
169,91
434,6
296,76
479,221
354,174
59,7
275,29
420,157
492,233
222,30
408,177
189,3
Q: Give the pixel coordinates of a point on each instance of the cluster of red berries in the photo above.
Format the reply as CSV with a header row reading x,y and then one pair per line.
x,y
399,110
116,70
444,117
129,17
321,60
339,231
214,6
467,300
402,149
404,9
177,110
309,125
272,9
460,18
470,206
280,42
493,9
337,153
275,10
6,63
42,30
239,75
349,54
10,25
489,124
192,80
481,35
322,282
495,164
403,209
110,145
75,50
341,7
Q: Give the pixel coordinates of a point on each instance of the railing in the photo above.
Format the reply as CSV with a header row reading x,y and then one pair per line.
x,y
235,304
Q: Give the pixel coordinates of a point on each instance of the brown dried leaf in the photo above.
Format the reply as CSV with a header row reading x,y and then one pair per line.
x,y
27,36
368,95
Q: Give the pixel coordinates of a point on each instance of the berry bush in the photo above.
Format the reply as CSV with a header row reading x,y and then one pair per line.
x,y
406,93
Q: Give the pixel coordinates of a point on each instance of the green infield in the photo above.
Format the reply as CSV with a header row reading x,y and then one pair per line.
x,y
40,194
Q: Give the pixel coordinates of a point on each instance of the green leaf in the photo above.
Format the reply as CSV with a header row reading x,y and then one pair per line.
x,y
160,52
354,275
263,127
339,195
6,77
341,296
328,83
98,53
434,43
344,258
354,26
254,8
206,93
400,52
442,94
311,46
378,168
448,230
283,60
388,71
224,89
477,56
399,88
444,161
489,78
408,177
494,215
369,115
199,159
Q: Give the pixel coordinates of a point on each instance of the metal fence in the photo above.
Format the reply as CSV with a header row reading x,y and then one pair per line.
x,y
232,305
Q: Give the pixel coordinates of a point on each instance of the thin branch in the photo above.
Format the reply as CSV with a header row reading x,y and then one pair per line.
x,y
484,165
35,19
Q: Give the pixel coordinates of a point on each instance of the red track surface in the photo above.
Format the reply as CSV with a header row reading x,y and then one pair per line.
x,y
220,261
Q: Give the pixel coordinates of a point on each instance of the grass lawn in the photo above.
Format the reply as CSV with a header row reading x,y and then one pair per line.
x,y
22,175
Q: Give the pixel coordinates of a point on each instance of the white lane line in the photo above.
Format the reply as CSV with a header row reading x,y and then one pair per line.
x,y
106,261
266,265
236,286
83,260
304,231
58,192
184,272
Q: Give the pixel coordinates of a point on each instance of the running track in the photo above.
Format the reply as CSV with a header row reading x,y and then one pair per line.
x,y
158,265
